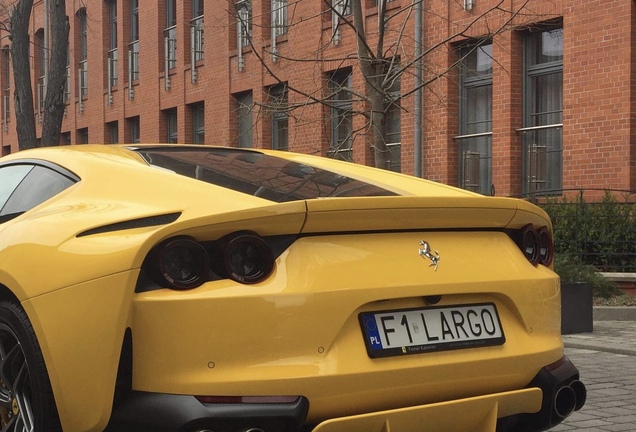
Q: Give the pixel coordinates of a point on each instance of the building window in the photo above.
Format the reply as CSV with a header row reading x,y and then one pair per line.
x,y
341,7
393,130
244,119
197,26
244,22
112,129
83,65
134,128
68,82
170,34
6,86
170,118
475,119
40,66
278,96
82,136
65,138
133,46
543,111
279,17
341,105
197,111
112,42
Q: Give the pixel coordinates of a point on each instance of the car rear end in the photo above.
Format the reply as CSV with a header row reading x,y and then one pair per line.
x,y
369,313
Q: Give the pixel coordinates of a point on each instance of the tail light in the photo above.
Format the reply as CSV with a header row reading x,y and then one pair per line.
x,y
536,245
546,247
247,258
530,244
184,263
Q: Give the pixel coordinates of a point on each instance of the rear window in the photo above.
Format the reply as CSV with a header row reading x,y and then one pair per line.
x,y
258,174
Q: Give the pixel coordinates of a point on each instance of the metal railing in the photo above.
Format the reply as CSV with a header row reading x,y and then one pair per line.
x,y
599,230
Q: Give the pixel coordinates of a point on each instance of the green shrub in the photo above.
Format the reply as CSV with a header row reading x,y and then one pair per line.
x,y
600,233
571,270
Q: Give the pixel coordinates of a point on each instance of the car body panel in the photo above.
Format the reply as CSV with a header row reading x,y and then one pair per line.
x,y
86,247
340,287
80,329
478,414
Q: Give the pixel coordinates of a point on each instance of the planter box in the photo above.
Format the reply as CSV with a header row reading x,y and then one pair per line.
x,y
576,308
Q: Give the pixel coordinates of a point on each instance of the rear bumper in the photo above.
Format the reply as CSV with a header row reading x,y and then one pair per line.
x,y
155,412
551,396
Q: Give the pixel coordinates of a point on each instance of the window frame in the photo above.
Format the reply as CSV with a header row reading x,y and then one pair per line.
x,y
279,100
245,121
339,84
279,17
170,35
197,115
542,165
475,145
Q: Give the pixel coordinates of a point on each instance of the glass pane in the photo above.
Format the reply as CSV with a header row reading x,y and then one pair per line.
x,y
245,120
546,47
476,164
478,61
257,174
10,178
280,133
478,111
38,186
134,20
548,99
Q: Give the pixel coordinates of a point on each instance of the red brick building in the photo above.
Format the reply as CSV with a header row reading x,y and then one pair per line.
x,y
520,95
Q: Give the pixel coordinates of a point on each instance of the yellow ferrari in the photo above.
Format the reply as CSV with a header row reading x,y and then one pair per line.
x,y
184,288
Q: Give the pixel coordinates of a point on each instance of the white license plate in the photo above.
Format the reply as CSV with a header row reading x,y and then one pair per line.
x,y
412,331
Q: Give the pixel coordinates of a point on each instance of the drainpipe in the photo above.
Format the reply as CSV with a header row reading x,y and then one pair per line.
x,y
418,110
47,12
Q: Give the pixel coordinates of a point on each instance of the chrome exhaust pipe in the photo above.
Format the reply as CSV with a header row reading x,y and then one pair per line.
x,y
564,401
580,392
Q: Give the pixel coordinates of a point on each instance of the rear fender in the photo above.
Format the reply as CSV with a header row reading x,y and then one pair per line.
x,y
80,330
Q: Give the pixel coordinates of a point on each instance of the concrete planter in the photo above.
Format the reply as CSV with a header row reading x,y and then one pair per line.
x,y
576,308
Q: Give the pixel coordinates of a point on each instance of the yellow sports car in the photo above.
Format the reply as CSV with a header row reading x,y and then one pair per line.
x,y
198,288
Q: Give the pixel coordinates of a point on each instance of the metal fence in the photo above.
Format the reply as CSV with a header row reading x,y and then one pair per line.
x,y
596,226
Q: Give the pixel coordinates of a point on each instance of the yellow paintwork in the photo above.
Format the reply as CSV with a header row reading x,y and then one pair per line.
x,y
478,414
297,332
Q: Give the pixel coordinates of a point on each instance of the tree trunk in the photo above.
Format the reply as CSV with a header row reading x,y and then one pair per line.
x,y
374,72
24,109
54,105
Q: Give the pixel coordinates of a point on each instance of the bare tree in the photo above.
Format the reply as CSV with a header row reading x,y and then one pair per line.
x,y
383,59
53,109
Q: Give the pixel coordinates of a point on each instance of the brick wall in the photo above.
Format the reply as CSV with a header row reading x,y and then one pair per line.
x,y
598,101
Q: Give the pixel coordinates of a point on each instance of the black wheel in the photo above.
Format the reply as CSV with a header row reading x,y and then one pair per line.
x,y
26,398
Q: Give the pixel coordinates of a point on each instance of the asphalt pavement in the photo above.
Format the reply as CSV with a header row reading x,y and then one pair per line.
x,y
606,359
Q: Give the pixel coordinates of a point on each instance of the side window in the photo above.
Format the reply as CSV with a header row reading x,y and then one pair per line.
x,y
10,178
36,186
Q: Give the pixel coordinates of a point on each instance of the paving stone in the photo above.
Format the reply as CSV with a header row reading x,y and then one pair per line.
x,y
606,359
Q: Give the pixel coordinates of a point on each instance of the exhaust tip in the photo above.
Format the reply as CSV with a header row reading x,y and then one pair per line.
x,y
565,401
580,392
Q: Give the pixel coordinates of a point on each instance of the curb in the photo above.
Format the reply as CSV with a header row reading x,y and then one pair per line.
x,y
614,313
594,346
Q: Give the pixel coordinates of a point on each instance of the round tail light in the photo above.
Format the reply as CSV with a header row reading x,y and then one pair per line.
x,y
530,244
247,259
546,247
183,263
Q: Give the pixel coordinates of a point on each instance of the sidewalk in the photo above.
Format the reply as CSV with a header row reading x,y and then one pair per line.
x,y
614,332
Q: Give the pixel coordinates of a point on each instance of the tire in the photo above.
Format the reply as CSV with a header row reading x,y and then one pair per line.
x,y
26,398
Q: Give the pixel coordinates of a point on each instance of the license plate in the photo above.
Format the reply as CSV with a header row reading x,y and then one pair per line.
x,y
413,331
